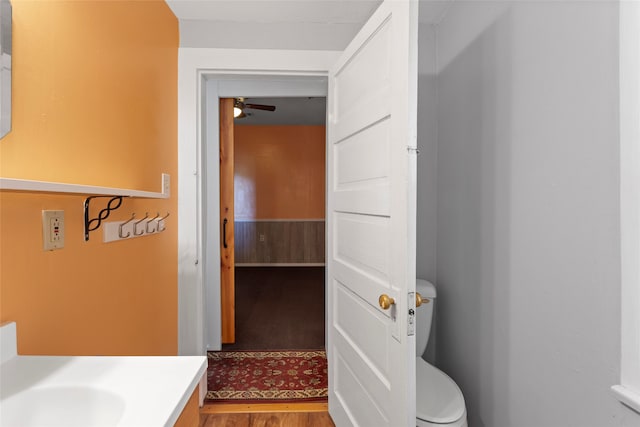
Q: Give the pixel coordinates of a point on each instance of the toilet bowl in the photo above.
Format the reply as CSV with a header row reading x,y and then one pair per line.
x,y
439,400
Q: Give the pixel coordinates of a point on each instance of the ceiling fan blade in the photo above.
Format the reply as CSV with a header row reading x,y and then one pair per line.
x,y
261,107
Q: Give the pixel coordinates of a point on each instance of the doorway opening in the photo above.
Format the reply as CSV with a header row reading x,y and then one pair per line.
x,y
272,253
218,88
279,223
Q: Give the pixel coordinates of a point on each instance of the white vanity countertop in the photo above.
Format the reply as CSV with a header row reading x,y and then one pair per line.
x,y
89,391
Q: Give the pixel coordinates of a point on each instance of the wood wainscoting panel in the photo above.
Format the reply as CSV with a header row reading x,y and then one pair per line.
x,y
314,241
279,242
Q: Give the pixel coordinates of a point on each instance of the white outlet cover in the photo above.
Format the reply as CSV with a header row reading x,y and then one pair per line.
x,y
52,230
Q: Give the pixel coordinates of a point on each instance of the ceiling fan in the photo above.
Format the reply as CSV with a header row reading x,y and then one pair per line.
x,y
239,105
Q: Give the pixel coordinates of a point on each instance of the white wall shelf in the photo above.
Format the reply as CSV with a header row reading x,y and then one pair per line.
x,y
59,187
116,195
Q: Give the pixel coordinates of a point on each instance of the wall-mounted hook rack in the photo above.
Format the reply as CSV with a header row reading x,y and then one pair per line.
x,y
161,226
132,228
120,233
150,221
135,225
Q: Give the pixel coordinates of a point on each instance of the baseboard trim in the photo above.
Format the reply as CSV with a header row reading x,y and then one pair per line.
x,y
236,408
281,220
280,264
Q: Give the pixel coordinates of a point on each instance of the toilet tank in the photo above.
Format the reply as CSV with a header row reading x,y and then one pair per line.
x,y
424,315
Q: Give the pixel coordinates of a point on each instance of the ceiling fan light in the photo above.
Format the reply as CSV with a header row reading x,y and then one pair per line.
x,y
237,111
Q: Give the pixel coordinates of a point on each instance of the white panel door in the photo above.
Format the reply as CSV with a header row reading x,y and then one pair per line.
x,y
371,157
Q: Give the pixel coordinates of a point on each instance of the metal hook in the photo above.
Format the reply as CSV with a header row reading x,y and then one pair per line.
x,y
135,225
161,221
133,215
149,221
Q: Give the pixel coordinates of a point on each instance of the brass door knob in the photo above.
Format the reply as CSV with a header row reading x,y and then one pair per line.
x,y
385,301
420,300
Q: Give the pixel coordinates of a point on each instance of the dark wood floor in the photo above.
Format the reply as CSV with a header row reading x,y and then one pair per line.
x,y
279,308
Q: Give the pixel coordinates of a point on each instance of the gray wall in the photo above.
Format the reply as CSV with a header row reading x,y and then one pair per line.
x,y
526,229
428,157
426,248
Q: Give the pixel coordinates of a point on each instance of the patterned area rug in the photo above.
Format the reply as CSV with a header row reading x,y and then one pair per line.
x,y
266,376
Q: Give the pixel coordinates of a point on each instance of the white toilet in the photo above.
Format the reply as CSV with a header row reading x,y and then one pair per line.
x,y
439,400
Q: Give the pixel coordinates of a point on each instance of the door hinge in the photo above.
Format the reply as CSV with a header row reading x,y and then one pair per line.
x,y
415,150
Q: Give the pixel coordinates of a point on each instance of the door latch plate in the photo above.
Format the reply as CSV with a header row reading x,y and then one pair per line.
x,y
411,316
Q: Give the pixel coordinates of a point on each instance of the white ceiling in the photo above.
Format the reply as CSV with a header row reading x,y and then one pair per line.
x,y
282,24
270,24
279,24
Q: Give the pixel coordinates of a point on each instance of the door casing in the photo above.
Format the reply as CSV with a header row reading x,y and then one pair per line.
x,y
204,77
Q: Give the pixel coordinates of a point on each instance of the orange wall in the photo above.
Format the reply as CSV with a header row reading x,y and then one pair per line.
x,y
279,172
94,102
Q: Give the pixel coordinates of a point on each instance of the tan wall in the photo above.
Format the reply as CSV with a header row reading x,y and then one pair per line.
x,y
279,172
94,102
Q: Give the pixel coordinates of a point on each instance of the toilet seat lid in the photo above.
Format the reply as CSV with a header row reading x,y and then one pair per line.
x,y
438,397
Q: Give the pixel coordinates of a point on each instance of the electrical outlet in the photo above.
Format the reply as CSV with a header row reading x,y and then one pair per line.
x,y
53,230
262,239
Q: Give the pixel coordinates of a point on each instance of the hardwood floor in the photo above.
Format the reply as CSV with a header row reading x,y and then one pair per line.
x,y
279,308
268,419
